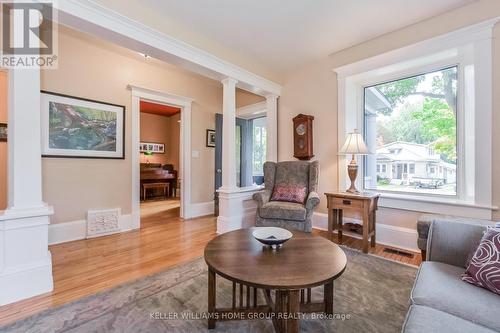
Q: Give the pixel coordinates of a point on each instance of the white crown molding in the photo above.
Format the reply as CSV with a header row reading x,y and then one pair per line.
x,y
459,37
88,16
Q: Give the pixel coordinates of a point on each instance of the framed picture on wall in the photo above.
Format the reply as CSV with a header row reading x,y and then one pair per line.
x,y
81,128
210,138
3,132
157,148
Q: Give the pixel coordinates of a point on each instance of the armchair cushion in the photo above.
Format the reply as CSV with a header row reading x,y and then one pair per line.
x,y
283,210
289,193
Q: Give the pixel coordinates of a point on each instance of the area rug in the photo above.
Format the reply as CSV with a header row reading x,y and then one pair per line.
x,y
371,296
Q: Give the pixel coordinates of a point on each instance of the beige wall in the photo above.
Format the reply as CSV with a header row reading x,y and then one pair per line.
x,y
313,90
160,129
92,68
3,145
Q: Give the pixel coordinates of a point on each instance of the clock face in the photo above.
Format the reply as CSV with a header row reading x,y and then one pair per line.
x,y
301,129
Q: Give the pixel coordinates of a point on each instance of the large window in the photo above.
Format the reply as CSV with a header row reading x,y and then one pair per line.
x,y
259,146
411,126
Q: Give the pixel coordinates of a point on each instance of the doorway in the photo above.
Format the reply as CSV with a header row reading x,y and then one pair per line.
x,y
184,165
159,183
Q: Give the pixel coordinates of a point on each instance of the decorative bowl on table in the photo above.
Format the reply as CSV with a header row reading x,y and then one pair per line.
x,y
272,236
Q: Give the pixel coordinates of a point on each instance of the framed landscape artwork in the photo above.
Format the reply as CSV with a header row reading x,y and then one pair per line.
x,y
210,138
78,127
157,148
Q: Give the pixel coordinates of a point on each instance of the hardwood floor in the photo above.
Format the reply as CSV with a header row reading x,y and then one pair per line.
x,y
85,267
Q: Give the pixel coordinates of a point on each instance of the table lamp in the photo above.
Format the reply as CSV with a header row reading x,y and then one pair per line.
x,y
354,145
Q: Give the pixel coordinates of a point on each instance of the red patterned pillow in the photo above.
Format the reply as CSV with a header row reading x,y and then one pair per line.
x,y
484,268
289,193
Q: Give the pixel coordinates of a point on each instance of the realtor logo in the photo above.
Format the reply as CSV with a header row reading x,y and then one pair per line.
x,y
28,34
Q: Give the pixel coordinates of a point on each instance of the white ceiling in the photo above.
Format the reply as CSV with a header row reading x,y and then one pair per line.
x,y
279,35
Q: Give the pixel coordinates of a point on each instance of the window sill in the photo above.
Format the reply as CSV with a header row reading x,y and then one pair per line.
x,y
435,205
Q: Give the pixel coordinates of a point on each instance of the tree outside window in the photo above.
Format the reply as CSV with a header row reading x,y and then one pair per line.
x,y
411,124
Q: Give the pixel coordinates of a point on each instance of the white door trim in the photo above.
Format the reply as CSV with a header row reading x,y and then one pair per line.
x,y
138,94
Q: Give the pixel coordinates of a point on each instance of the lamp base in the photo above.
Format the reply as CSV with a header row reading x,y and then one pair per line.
x,y
352,171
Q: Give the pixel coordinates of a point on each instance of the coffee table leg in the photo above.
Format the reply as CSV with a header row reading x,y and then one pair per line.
x,y
211,298
328,297
292,324
279,311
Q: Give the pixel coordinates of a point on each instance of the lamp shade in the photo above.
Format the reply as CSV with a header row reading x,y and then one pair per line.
x,y
148,153
354,144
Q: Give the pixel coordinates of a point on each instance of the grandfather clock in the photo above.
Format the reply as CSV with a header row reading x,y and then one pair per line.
x,y
303,137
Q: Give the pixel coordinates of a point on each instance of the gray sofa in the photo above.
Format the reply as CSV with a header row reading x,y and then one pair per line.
x,y
440,300
424,222
288,215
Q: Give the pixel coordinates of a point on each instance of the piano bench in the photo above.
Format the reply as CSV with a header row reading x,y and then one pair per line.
x,y
155,186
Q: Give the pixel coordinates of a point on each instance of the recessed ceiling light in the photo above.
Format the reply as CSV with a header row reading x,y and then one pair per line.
x,y
145,55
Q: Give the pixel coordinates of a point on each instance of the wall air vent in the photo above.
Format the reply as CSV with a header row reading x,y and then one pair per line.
x,y
102,222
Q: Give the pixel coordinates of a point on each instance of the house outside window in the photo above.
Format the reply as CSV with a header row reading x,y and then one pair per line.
x,y
412,125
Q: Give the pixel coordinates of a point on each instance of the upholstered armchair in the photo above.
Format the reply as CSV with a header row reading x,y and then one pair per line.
x,y
283,214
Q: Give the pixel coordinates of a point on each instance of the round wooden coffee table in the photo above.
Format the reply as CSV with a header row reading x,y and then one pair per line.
x,y
301,263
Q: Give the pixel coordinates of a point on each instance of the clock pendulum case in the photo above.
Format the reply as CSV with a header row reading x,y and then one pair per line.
x,y
303,137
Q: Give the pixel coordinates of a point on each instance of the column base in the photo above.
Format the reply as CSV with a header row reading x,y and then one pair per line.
x,y
236,209
28,281
25,262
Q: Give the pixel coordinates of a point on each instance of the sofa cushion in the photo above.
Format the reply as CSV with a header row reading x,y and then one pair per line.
x,y
425,319
283,211
289,193
484,267
440,286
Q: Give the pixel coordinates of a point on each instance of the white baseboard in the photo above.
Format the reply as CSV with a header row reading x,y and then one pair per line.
x,y
200,209
399,237
76,230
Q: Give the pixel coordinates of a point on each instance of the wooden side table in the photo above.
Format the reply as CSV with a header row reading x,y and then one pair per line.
x,y
364,203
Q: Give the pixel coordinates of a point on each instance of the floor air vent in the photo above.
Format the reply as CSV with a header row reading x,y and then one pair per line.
x,y
398,252
102,222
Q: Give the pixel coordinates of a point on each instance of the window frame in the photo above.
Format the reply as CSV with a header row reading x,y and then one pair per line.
x,y
253,143
458,117
471,49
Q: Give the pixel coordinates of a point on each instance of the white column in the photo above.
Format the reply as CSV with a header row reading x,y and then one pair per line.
x,y
272,128
229,134
25,262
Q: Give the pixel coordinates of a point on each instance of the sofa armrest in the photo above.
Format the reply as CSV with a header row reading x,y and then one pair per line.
x,y
262,197
312,201
451,242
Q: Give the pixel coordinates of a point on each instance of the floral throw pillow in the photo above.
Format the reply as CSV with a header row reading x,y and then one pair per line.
x,y
484,268
289,193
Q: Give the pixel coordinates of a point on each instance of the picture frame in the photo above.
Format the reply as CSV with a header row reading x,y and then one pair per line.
x,y
3,132
154,147
210,138
75,127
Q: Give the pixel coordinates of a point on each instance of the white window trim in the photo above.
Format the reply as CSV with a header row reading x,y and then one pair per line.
x,y
467,46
